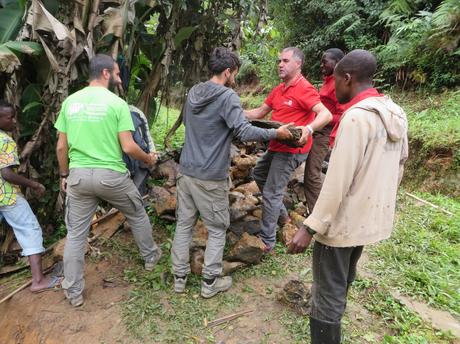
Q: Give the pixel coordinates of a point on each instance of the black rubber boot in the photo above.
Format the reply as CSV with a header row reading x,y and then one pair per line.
x,y
323,332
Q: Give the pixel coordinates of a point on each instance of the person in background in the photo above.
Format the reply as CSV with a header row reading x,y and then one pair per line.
x,y
15,209
320,146
356,205
294,100
141,135
94,128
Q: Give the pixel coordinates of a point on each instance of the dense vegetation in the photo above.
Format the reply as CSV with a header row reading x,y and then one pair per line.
x,y
165,45
416,42
162,48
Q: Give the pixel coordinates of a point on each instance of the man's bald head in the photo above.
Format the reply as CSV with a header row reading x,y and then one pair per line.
x,y
360,64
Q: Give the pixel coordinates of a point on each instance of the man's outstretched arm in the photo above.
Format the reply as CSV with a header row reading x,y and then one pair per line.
x,y
258,113
131,148
323,117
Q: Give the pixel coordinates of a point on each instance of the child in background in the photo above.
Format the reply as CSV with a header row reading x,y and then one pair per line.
x,y
13,206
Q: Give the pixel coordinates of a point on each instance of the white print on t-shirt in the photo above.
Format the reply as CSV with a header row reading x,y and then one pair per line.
x,y
288,102
79,112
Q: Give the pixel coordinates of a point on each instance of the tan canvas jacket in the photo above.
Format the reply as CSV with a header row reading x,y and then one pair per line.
x,y
356,205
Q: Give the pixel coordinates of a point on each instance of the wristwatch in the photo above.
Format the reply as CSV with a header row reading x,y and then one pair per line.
x,y
310,129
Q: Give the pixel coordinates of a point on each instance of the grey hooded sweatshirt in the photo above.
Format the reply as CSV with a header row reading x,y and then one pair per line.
x,y
212,116
356,205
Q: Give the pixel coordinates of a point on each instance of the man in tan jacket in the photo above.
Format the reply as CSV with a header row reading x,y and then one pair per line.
x,y
356,205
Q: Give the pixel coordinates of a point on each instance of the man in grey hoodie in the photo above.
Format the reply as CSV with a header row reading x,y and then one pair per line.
x,y
212,117
356,205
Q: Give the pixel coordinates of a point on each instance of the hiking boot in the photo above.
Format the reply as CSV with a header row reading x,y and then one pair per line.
x,y
150,264
74,301
219,284
179,283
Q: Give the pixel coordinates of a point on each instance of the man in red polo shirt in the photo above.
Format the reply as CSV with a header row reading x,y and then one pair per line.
x,y
312,176
296,101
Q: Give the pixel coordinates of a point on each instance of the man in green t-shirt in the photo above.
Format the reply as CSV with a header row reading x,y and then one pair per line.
x,y
94,128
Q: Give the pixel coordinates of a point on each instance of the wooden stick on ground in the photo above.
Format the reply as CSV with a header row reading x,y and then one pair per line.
x,y
429,203
22,287
228,318
10,295
111,212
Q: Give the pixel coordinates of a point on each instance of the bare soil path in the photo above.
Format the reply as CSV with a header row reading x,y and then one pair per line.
x,y
47,318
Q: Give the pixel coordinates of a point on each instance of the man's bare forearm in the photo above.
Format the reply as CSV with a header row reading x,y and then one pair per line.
x,y
62,154
323,117
253,114
257,113
135,152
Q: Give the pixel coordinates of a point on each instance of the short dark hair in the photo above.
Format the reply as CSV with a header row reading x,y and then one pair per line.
x,y
98,63
5,105
359,63
297,53
335,53
221,59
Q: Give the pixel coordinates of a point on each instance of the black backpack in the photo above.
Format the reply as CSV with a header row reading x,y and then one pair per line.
x,y
140,137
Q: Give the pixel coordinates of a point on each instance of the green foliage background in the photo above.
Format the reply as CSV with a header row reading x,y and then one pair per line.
x,y
416,42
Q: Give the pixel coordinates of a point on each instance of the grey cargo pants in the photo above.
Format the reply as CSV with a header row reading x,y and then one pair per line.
x,y
210,199
272,174
85,187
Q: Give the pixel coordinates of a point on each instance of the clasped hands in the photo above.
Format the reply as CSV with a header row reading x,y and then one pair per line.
x,y
283,133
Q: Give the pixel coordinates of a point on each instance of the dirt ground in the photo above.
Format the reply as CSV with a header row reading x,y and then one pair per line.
x,y
47,318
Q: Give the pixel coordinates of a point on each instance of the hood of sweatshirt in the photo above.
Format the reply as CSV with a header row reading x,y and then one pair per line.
x,y
392,115
204,93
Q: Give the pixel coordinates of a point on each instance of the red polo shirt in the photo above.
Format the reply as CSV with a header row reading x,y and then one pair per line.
x,y
370,92
293,104
328,98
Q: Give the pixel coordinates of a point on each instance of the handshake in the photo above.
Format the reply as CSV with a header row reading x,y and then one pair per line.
x,y
285,133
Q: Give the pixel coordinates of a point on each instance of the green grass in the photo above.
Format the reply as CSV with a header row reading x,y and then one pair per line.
x,y
404,325
153,310
422,258
434,141
249,101
433,119
163,123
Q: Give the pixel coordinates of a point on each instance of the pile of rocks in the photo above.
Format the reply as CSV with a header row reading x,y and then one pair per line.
x,y
243,246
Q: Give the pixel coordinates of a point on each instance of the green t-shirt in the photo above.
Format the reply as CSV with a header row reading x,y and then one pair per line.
x,y
91,119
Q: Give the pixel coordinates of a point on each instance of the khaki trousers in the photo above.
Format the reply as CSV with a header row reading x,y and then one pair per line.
x,y
312,176
85,187
209,198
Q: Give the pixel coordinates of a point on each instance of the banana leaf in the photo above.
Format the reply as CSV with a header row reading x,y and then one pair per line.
x,y
10,23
